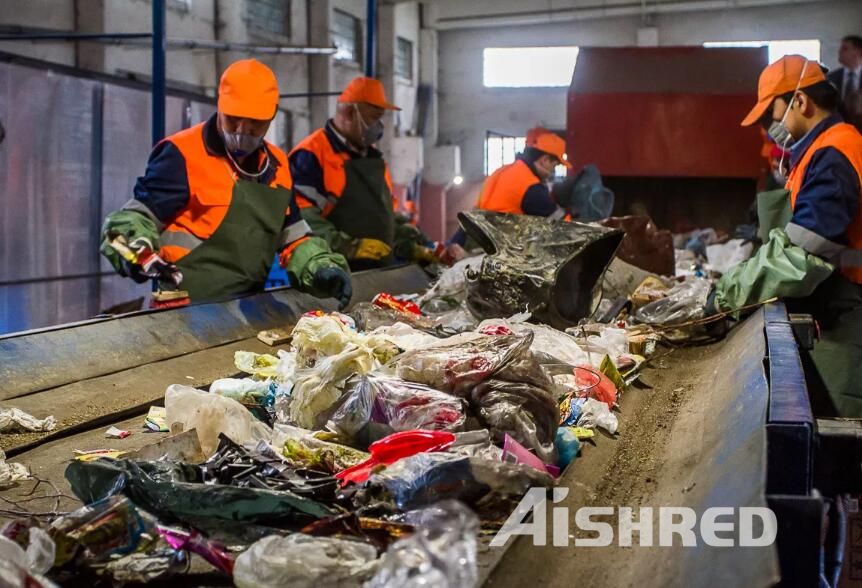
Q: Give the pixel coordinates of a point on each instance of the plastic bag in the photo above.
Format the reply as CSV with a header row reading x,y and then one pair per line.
x,y
684,302
604,391
476,444
210,414
370,317
316,389
261,365
302,561
724,256
456,369
557,344
301,448
441,554
11,473
258,396
568,446
595,413
15,420
455,320
15,569
402,406
405,336
321,336
452,281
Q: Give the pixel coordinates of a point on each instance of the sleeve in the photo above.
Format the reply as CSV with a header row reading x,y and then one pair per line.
x,y
826,205
338,241
778,269
163,191
537,201
307,174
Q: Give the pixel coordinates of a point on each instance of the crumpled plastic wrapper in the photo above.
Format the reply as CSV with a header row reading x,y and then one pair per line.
x,y
452,282
401,405
303,561
405,336
16,567
11,473
15,420
318,388
456,369
557,344
318,337
301,448
261,365
595,413
684,302
441,554
187,408
370,317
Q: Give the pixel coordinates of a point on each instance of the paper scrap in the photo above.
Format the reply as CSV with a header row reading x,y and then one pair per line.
x,y
94,454
115,433
157,419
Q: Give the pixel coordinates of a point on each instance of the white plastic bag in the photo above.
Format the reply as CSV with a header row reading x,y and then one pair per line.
x,y
15,420
210,414
10,473
15,566
727,255
303,561
595,413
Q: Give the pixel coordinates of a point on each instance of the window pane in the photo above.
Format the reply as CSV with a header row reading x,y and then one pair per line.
x,y
344,36
269,16
500,151
809,48
404,58
529,67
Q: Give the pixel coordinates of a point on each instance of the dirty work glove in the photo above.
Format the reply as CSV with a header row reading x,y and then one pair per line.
x,y
424,255
370,249
333,282
132,226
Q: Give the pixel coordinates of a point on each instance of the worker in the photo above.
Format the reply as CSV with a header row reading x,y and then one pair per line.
x,y
814,260
215,200
343,187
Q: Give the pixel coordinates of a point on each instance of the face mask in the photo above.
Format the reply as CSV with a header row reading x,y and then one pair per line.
x,y
778,130
370,133
241,144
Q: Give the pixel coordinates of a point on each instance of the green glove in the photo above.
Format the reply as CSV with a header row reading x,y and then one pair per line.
x,y
407,236
307,259
778,268
131,225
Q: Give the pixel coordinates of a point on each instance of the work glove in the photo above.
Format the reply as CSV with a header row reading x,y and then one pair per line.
x,y
368,249
132,226
424,255
333,282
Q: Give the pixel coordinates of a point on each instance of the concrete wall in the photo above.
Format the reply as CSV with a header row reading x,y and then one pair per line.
x,y
467,109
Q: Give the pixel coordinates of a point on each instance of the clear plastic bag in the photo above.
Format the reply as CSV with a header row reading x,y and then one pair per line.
x,y
595,413
260,365
684,302
14,568
402,406
456,369
405,336
441,554
303,561
557,344
301,448
210,414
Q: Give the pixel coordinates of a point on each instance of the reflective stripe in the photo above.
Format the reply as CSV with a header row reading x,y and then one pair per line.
x,y
179,239
557,214
812,242
139,206
297,230
850,258
320,201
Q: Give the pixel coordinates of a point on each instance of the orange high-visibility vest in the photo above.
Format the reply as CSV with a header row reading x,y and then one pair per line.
x,y
211,180
504,190
846,139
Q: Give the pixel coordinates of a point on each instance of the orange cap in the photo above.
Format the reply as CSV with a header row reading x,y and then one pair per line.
x,y
367,90
785,75
534,134
552,144
248,89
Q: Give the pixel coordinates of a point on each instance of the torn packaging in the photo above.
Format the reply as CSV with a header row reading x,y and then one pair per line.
x,y
552,269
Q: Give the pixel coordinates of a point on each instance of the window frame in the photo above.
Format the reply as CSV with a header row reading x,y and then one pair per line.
x,y
410,74
357,56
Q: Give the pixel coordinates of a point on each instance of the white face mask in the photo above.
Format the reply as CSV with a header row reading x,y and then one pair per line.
x,y
778,129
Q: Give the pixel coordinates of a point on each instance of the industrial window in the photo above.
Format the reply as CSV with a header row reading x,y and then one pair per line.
x,y
809,48
529,67
404,58
501,150
268,16
347,36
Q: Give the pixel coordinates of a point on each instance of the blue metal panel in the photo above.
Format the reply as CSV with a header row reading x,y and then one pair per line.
x,y
159,75
371,39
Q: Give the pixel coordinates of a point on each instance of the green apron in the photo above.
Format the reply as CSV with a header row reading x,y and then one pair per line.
x,y
237,257
773,212
364,210
833,365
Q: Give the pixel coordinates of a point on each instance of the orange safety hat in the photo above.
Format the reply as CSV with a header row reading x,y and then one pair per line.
x,y
248,89
788,74
534,134
552,144
367,90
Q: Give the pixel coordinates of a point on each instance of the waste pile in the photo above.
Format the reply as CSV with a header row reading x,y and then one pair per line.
x,y
369,450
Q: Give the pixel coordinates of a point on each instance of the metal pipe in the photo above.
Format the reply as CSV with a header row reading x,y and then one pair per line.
x,y
599,11
371,39
309,94
74,36
159,75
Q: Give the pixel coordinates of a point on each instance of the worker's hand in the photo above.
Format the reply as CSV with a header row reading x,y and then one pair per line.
x,y
131,226
424,255
370,250
335,283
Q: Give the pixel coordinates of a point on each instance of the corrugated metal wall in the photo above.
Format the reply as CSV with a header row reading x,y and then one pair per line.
x,y
72,152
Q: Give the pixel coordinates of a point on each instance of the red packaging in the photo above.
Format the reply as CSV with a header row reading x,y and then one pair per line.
x,y
384,300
